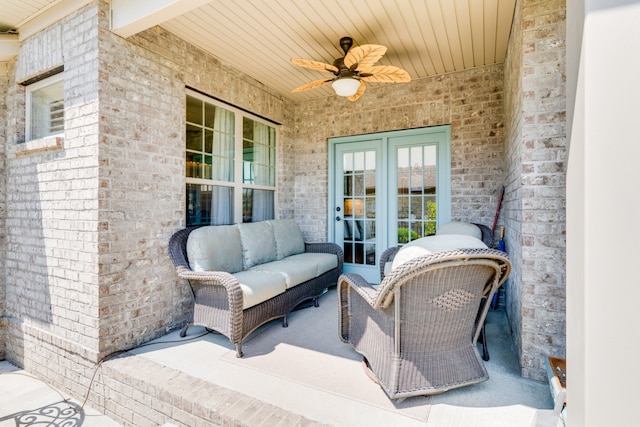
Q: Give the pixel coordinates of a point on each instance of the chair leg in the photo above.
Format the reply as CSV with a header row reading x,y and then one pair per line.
x,y
316,303
483,339
285,322
239,350
183,332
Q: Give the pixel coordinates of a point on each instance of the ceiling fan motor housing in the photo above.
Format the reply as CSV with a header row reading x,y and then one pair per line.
x,y
346,43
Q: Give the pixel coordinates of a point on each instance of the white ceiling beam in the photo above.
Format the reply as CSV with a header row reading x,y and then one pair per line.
x,y
9,46
131,17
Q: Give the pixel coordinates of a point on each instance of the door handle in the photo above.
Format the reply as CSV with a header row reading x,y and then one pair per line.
x,y
338,218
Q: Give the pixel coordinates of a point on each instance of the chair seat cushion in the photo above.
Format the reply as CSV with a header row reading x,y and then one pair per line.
x,y
259,286
430,244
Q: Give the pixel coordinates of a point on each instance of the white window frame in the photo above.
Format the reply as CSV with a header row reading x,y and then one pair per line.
x,y
239,167
30,89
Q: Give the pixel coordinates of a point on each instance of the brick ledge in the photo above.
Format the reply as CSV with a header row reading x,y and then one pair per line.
x,y
48,143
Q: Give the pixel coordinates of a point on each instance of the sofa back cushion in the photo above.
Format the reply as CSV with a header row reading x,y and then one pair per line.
x,y
258,243
215,248
288,237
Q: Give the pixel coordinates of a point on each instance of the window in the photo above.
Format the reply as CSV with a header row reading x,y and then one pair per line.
x,y
230,175
45,108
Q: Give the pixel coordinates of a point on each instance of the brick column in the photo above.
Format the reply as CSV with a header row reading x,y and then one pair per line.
x,y
535,110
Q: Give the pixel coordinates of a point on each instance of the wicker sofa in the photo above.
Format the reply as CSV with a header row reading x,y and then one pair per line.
x,y
245,275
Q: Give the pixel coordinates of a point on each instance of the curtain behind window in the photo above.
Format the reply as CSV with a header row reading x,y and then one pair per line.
x,y
222,168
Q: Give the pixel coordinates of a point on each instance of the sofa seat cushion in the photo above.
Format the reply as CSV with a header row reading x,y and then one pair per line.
x,y
215,248
324,261
430,244
259,286
295,271
258,243
288,238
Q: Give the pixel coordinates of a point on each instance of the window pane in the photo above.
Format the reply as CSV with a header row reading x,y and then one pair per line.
x,y
258,153
194,138
193,165
417,173
194,110
222,169
209,204
257,205
207,167
47,110
347,163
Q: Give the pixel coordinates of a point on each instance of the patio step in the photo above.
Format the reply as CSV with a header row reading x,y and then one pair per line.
x,y
137,391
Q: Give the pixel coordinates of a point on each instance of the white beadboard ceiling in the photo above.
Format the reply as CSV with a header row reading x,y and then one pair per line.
x,y
259,37
14,13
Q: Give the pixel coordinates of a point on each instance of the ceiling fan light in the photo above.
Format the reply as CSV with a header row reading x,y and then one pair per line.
x,y
346,86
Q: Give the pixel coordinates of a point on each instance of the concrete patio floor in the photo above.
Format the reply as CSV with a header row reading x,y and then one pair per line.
x,y
168,386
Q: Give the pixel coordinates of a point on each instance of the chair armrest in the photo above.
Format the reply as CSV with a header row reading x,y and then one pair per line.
x,y
387,256
359,285
349,283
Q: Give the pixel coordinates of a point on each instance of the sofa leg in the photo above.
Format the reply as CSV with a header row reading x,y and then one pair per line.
x,y
316,302
285,322
239,353
183,332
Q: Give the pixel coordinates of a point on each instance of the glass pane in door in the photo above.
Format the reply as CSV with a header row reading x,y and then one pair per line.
x,y
359,201
416,196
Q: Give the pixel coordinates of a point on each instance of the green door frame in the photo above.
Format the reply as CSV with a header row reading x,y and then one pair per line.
x,y
387,211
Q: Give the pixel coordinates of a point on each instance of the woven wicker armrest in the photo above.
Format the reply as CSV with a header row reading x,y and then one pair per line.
x,y
327,248
387,256
323,247
350,283
359,285
200,280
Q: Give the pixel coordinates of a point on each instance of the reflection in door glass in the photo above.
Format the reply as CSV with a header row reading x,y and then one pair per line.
x,y
416,192
359,191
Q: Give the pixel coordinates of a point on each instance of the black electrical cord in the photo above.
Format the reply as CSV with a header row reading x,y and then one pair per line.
x,y
104,359
116,353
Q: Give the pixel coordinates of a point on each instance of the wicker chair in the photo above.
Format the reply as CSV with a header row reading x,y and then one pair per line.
x,y
418,329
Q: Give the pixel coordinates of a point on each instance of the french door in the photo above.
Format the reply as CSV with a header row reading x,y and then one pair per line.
x,y
387,189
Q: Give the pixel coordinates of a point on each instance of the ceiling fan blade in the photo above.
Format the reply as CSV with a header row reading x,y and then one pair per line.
x,y
312,85
364,56
385,74
315,65
359,93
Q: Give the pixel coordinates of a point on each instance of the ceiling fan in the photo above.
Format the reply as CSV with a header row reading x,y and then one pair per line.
x,y
353,70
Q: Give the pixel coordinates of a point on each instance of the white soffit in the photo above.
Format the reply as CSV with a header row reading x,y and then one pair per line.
x,y
9,46
130,17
